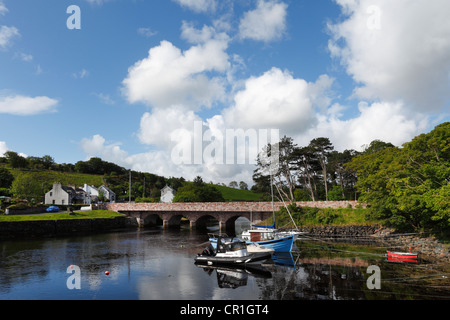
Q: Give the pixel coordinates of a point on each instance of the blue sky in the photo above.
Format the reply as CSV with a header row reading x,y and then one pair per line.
x,y
137,72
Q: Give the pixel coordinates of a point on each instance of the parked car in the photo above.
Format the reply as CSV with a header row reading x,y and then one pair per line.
x,y
52,209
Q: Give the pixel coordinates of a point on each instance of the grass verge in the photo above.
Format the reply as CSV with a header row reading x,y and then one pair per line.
x,y
95,214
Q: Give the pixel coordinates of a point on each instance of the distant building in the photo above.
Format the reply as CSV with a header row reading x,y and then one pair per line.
x,y
60,195
167,194
93,192
107,193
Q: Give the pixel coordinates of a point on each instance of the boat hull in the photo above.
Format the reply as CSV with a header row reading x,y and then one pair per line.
x,y
402,255
283,244
214,260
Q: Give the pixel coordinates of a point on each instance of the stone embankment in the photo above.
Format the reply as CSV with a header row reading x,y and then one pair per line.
x,y
428,247
341,231
49,228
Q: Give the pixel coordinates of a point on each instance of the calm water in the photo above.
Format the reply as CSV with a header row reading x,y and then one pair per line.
x,y
156,264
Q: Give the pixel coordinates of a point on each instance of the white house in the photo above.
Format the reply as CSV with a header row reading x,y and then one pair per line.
x,y
66,195
167,194
93,191
108,194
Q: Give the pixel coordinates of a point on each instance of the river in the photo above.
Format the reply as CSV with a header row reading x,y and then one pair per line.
x,y
157,264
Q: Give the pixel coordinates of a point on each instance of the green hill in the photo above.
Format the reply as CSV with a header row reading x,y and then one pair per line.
x,y
48,177
232,194
39,181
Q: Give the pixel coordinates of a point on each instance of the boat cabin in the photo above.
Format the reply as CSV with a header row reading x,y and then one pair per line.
x,y
261,235
229,246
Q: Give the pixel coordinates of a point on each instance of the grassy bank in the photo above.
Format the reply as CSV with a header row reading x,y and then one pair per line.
x,y
95,214
306,216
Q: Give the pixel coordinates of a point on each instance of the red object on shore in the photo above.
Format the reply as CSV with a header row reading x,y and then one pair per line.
x,y
402,256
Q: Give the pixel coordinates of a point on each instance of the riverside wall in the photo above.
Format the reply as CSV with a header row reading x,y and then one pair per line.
x,y
49,228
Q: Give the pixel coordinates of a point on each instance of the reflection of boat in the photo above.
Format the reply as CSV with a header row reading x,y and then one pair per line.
x,y
283,259
233,277
402,256
230,252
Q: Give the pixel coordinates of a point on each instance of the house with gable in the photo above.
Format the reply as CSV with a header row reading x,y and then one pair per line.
x,y
107,193
167,194
66,195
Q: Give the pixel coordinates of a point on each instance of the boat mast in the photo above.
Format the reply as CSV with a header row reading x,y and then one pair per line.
x,y
271,191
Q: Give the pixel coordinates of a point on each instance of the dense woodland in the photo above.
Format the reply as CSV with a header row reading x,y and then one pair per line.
x,y
406,187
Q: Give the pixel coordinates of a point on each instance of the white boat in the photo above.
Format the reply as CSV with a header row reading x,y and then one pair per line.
x,y
230,252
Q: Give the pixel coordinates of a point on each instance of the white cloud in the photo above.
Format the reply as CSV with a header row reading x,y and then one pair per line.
x,y
198,6
389,122
276,100
104,98
3,9
7,34
98,2
96,147
169,76
24,106
81,75
146,32
266,23
23,56
396,50
3,148
157,127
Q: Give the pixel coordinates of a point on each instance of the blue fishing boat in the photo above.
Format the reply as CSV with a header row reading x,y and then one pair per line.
x,y
265,238
269,238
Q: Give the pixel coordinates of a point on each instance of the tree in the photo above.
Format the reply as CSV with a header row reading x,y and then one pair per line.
x,y
6,178
233,184
15,160
243,185
408,187
341,175
307,167
321,148
198,191
27,187
276,162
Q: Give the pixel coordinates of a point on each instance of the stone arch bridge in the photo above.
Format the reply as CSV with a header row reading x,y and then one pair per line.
x,y
198,213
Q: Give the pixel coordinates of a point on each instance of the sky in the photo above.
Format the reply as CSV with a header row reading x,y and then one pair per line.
x,y
157,85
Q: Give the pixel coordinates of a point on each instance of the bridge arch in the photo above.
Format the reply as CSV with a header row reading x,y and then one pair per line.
x,y
203,221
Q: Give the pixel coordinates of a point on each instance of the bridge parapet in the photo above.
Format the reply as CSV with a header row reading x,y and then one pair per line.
x,y
244,207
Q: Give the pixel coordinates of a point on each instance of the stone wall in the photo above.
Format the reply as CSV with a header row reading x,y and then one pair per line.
x,y
221,206
24,229
341,231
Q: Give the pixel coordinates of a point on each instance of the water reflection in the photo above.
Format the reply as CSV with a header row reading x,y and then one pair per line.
x,y
156,264
228,277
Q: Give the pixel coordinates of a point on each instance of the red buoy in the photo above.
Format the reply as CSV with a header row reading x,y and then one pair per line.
x,y
106,273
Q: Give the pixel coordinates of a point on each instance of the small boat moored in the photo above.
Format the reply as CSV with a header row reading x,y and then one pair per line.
x,y
402,256
230,252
